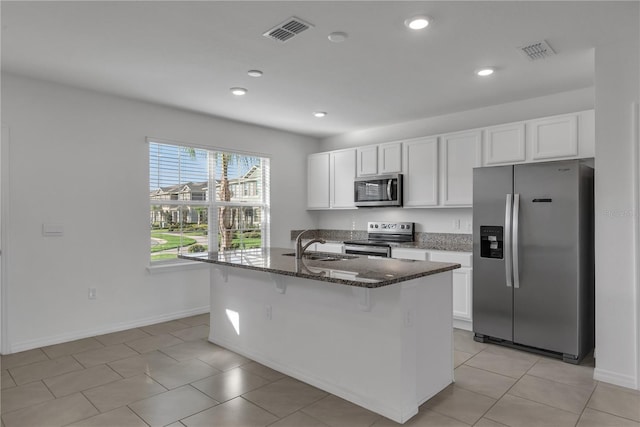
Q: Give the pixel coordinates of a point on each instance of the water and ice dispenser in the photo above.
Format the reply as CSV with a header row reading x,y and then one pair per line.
x,y
491,241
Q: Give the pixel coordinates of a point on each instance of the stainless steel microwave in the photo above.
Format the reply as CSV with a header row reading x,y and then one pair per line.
x,y
379,190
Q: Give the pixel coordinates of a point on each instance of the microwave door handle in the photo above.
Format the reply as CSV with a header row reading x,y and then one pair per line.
x,y
389,189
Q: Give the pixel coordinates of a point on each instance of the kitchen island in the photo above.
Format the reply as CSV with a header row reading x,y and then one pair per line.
x,y
374,331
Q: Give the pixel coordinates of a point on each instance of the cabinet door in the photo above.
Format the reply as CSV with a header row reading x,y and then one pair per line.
x,y
504,144
460,154
343,164
367,162
420,172
408,253
554,137
390,158
318,181
462,294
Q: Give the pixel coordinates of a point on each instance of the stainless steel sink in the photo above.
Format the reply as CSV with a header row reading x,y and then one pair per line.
x,y
322,256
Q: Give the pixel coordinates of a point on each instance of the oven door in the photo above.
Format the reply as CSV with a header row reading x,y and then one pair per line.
x,y
381,251
378,191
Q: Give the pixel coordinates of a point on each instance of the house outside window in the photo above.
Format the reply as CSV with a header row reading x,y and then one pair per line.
x,y
187,216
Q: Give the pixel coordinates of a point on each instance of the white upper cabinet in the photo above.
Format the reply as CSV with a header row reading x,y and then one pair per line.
x,y
460,154
390,158
318,181
554,137
505,144
342,173
367,160
379,159
420,172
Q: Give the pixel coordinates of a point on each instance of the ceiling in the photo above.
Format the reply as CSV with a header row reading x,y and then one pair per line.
x,y
187,54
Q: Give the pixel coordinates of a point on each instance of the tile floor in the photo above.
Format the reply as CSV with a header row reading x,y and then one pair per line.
x,y
169,375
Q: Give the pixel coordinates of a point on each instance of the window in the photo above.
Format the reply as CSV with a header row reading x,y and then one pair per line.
x,y
202,199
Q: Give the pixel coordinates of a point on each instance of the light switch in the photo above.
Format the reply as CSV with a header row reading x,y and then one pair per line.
x,y
54,230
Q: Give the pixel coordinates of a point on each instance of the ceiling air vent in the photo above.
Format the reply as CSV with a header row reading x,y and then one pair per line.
x,y
536,50
288,29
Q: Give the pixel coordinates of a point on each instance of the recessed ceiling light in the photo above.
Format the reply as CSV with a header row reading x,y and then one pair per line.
x,y
485,71
338,37
319,114
238,91
418,22
255,73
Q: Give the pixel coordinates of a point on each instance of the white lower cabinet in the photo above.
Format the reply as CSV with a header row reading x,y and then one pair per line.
x,y
408,253
462,286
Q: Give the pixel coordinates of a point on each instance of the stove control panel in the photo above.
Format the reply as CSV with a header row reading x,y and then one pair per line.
x,y
390,227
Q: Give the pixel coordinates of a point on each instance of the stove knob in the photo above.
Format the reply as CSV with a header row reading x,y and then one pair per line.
x,y
376,225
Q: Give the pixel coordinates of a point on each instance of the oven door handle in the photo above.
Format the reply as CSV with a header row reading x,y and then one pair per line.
x,y
368,250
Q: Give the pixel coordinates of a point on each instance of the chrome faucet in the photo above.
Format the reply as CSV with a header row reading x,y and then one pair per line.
x,y
300,249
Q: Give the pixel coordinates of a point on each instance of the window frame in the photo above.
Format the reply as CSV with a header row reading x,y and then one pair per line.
x,y
213,204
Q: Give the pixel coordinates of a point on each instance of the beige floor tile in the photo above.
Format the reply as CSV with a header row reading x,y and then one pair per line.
x,y
513,367
234,413
123,392
172,406
122,336
72,347
199,319
24,396
121,417
165,327
517,412
191,350
183,373
338,412
193,333
176,424
558,395
263,371
104,355
459,357
142,364
28,357
513,353
461,404
6,381
592,418
486,422
298,419
481,381
230,384
53,413
48,368
463,341
145,345
558,371
285,396
616,401
224,360
424,418
76,381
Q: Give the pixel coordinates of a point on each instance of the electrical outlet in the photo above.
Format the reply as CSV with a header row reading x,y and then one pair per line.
x,y
456,224
267,312
92,293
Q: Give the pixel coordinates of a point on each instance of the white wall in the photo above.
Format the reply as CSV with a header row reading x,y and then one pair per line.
x,y
617,88
79,159
443,220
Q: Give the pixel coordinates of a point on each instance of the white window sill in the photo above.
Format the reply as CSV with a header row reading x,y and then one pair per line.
x,y
169,267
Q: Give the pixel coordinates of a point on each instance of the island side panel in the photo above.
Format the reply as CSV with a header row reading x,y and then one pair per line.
x,y
316,331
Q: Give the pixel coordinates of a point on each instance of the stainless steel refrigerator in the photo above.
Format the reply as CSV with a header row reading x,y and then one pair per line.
x,y
533,262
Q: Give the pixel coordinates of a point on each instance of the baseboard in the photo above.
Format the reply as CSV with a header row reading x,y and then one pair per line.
x,y
615,378
463,324
378,407
117,327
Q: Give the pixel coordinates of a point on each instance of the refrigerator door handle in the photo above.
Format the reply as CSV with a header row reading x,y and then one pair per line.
x,y
516,212
507,240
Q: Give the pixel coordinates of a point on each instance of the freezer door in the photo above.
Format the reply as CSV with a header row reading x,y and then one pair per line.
x,y
546,299
492,292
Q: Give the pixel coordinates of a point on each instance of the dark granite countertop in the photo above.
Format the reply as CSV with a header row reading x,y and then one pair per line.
x,y
351,270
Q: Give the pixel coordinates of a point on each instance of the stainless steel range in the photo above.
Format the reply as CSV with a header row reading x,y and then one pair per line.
x,y
381,237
